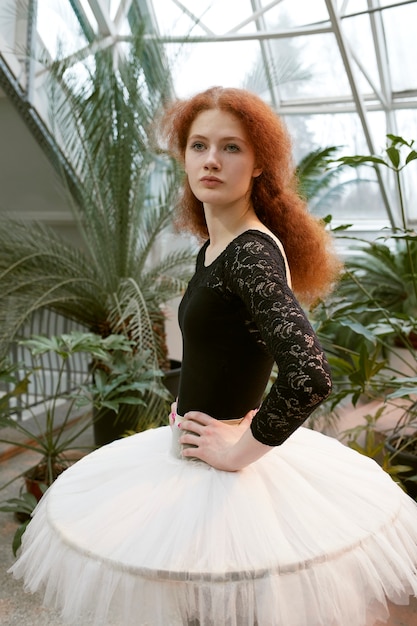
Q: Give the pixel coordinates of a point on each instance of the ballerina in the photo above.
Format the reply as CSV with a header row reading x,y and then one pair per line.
x,y
234,514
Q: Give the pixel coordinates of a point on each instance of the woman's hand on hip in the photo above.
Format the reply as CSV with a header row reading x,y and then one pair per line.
x,y
221,445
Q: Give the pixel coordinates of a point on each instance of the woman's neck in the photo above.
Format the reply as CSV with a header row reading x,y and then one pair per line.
x,y
223,226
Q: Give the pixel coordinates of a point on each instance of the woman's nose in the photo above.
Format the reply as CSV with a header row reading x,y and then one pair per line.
x,y
212,160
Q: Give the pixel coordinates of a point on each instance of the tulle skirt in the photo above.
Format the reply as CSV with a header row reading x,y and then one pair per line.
x,y
312,534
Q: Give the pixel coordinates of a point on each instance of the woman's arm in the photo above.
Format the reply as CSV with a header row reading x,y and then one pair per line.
x,y
256,274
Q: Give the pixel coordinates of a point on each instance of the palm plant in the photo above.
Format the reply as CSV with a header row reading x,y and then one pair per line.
x,y
368,325
121,193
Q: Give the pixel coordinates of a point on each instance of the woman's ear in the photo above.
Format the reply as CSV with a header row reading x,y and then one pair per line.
x,y
256,172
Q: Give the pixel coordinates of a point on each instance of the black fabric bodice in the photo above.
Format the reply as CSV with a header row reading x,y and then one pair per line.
x,y
237,317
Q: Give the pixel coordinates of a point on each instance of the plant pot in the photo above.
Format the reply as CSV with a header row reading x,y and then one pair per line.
x,y
37,476
407,340
171,377
109,425
404,457
34,478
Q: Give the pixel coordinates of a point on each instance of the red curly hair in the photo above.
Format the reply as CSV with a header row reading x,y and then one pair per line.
x,y
308,246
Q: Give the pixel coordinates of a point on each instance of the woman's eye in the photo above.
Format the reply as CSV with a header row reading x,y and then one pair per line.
x,y
231,147
197,145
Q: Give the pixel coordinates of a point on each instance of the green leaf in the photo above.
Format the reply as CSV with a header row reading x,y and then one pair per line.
x,y
400,469
25,503
395,139
411,157
341,227
355,161
394,156
403,392
17,539
110,404
341,365
359,329
130,400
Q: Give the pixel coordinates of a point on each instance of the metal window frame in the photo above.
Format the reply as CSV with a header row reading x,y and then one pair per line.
x,y
109,32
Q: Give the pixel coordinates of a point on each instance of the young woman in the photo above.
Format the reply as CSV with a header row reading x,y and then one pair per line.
x,y
234,516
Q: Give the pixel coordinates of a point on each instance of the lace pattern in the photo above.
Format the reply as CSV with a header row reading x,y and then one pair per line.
x,y
252,269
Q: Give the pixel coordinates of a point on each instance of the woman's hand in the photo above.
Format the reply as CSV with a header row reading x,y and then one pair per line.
x,y
173,411
225,447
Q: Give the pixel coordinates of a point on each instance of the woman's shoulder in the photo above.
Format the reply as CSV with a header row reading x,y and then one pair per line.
x,y
255,244
264,238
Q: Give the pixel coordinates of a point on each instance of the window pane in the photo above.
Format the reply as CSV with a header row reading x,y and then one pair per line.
x,y
66,35
290,13
199,66
215,16
400,29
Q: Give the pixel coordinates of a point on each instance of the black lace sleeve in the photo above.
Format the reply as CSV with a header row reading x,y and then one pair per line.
x,y
256,274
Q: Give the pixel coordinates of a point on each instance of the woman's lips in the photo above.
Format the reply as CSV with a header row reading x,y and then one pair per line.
x,y
210,181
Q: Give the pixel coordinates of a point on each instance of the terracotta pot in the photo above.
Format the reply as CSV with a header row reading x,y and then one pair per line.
x,y
405,341
37,476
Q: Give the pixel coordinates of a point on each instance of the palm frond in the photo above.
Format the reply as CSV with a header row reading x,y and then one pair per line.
x,y
313,172
131,315
325,198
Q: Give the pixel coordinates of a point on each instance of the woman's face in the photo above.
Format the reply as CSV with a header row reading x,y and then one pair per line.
x,y
219,160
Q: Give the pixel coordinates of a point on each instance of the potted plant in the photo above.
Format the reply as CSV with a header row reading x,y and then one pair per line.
x,y
119,376
121,192
110,385
48,435
372,315
124,378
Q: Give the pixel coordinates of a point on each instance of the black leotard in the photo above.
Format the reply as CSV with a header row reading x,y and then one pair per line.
x,y
237,317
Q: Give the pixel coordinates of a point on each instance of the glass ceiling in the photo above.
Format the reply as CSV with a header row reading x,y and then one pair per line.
x,y
341,72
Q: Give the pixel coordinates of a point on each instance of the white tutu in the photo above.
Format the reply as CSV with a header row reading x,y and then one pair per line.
x,y
312,534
